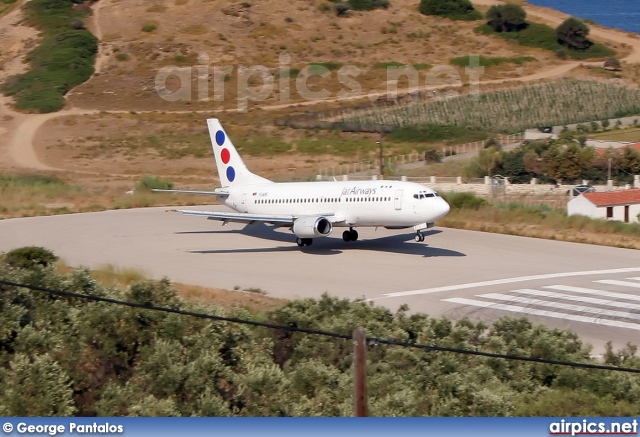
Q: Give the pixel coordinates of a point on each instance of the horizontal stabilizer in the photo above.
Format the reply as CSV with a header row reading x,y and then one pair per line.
x,y
220,193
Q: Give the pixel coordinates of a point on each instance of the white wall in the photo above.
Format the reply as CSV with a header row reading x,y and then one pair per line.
x,y
581,206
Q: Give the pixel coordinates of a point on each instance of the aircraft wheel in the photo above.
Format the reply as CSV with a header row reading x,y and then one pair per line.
x,y
300,241
346,236
307,241
354,235
417,238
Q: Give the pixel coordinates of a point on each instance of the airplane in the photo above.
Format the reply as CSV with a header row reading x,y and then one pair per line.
x,y
313,209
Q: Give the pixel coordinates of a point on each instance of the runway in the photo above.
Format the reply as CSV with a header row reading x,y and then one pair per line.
x,y
593,290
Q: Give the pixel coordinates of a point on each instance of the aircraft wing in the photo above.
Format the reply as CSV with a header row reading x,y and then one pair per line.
x,y
217,192
239,217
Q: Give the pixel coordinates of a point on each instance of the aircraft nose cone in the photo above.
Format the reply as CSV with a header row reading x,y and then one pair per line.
x,y
442,208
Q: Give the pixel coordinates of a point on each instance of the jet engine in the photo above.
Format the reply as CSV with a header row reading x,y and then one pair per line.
x,y
312,227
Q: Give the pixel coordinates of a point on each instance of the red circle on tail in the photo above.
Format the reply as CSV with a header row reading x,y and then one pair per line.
x,y
225,155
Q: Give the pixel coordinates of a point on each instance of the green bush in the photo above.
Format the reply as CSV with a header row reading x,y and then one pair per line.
x,y
29,180
464,200
30,256
506,18
368,5
341,9
484,61
545,37
573,34
318,67
453,9
435,133
149,183
64,59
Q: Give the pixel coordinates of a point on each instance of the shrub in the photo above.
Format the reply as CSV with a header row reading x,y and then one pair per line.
x,y
30,256
453,9
545,37
612,64
63,60
506,18
573,33
367,5
464,200
149,183
341,9
149,27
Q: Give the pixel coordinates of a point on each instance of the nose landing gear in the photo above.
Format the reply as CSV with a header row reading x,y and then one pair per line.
x,y
419,237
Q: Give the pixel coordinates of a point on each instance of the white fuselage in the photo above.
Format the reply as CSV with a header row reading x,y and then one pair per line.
x,y
359,203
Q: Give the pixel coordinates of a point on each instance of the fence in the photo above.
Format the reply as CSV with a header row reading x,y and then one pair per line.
x,y
373,167
491,186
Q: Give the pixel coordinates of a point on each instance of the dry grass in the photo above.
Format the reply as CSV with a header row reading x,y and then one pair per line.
x,y
250,33
531,218
22,199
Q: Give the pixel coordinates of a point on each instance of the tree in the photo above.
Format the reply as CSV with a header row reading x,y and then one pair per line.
x,y
612,64
30,256
454,9
573,34
485,163
506,18
494,17
36,386
514,17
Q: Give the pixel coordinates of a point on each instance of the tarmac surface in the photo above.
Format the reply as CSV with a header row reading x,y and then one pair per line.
x,y
593,290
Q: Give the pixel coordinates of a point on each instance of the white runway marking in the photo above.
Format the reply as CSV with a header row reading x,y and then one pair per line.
x,y
584,299
544,313
560,305
623,283
596,292
505,281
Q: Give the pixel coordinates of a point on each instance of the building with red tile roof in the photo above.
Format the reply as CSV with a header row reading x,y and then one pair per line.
x,y
621,205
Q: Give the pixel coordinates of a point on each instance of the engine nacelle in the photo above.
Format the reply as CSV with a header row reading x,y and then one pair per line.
x,y
312,227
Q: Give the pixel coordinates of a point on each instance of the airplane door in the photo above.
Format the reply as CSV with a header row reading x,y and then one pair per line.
x,y
397,200
244,202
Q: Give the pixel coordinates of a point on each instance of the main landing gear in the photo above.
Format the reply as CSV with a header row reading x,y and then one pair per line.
x,y
304,241
419,237
350,235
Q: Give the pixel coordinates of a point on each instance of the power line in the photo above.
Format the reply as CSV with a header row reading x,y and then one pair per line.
x,y
176,311
370,340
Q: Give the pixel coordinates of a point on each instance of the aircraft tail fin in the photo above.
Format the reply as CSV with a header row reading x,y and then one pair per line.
x,y
231,169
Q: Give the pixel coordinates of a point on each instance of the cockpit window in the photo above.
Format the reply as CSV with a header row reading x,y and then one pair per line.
x,y
425,195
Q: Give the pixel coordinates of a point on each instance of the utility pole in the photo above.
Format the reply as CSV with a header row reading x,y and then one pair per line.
x,y
379,143
609,176
360,372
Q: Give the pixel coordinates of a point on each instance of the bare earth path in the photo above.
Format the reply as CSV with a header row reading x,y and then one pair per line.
x,y
17,130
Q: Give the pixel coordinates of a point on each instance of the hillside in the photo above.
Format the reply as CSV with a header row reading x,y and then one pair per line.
x,y
117,128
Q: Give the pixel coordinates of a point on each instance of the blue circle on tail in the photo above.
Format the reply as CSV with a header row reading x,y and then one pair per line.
x,y
231,174
220,138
